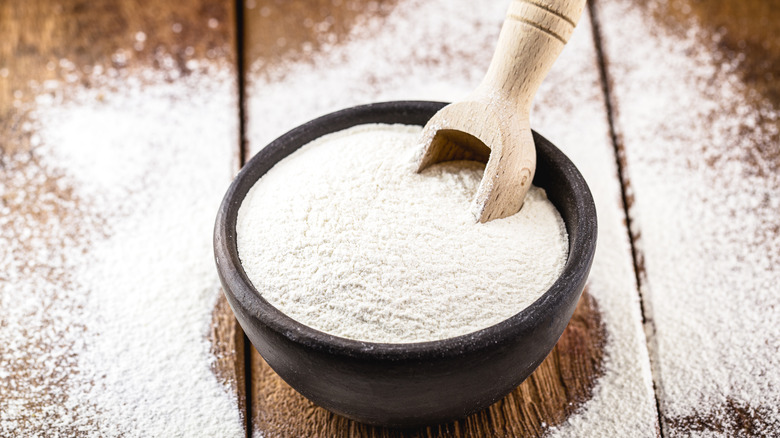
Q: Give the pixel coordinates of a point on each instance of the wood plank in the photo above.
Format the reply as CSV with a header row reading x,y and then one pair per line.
x,y
696,98
576,392
54,219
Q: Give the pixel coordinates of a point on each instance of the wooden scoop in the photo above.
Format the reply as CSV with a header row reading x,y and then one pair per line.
x,y
491,125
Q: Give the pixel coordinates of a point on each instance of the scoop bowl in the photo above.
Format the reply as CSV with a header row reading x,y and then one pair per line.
x,y
408,384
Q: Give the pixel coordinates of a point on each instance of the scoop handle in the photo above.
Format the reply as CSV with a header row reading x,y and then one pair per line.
x,y
532,37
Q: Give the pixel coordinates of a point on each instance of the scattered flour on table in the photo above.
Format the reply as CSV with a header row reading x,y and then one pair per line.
x,y
702,153
111,271
345,237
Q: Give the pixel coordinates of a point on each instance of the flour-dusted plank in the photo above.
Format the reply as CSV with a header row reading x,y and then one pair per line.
x,y
417,51
570,111
695,92
119,132
228,348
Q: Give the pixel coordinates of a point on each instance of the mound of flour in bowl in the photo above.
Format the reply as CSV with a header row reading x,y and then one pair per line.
x,y
345,237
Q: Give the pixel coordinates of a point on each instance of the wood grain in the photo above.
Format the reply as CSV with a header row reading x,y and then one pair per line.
x,y
64,42
556,389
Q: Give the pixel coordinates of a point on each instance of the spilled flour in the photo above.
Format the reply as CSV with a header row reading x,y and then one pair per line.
x,y
702,152
344,236
109,287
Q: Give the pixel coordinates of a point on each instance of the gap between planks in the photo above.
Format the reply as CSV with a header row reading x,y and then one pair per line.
x,y
245,345
636,255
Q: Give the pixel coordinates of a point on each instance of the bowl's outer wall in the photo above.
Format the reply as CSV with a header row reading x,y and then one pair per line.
x,y
408,384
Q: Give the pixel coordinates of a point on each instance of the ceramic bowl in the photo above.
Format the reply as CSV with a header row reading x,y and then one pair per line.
x,y
410,384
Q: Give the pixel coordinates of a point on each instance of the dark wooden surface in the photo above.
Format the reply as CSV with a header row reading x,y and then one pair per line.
x,y
36,35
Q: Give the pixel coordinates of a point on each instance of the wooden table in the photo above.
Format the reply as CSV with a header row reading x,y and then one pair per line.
x,y
624,334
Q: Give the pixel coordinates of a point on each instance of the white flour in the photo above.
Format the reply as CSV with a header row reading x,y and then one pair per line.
x,y
108,287
702,157
345,237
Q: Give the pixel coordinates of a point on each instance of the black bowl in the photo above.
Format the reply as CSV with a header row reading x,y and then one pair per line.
x,y
410,384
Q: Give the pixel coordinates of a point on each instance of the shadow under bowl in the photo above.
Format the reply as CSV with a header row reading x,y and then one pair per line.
x,y
410,384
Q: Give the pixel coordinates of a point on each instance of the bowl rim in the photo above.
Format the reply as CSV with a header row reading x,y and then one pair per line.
x,y
237,283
